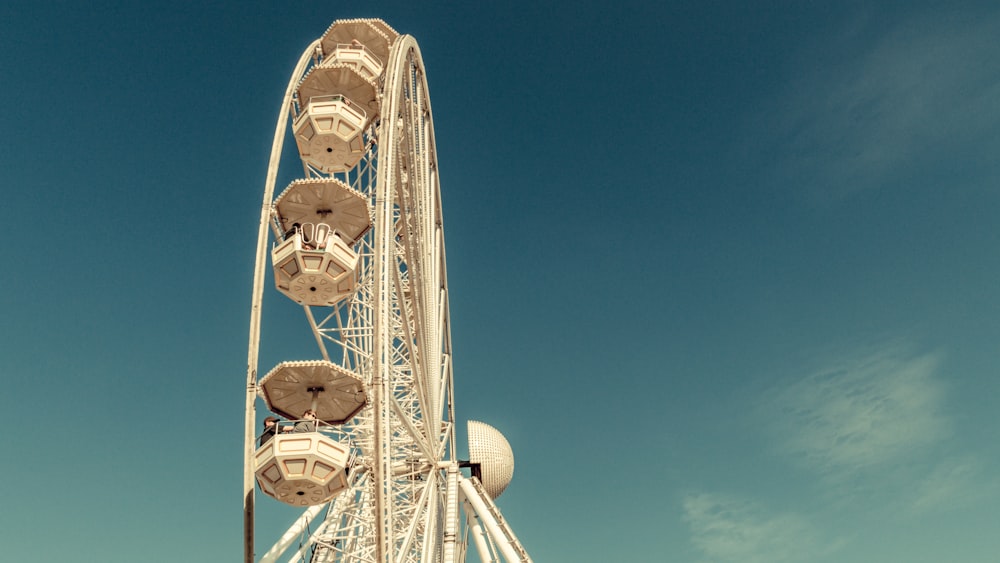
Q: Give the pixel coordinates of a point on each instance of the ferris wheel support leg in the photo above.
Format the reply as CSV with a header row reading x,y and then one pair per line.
x,y
478,535
255,307
293,532
451,514
498,529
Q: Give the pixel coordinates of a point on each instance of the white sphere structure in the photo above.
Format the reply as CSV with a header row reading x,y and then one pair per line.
x,y
490,451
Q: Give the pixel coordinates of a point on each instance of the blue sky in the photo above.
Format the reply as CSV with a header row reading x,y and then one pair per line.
x,y
725,274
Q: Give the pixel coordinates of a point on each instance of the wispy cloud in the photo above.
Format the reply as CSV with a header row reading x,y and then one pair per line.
x,y
953,483
872,431
725,528
863,413
926,90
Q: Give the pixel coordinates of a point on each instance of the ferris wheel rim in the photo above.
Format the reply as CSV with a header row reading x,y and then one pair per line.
x,y
409,249
399,493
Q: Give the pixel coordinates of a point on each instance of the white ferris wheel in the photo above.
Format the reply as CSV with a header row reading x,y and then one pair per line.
x,y
358,243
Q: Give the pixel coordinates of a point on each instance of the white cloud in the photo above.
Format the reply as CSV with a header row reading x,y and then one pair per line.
x,y
953,483
866,413
926,90
728,529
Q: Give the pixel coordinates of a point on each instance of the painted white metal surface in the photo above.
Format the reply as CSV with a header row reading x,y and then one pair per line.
x,y
487,512
292,534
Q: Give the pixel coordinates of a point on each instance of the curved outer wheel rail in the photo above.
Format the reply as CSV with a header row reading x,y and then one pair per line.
x,y
405,497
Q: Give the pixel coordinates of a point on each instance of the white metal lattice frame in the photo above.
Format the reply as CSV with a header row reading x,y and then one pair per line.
x,y
400,310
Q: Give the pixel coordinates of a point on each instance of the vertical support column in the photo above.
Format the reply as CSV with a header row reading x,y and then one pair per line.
x,y
382,360
451,514
478,534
